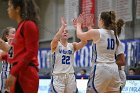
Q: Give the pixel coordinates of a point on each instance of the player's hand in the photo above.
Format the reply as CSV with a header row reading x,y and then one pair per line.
x,y
80,19
2,53
4,46
89,21
10,81
63,22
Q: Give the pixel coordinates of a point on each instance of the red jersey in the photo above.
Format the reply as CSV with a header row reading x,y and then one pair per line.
x,y
24,48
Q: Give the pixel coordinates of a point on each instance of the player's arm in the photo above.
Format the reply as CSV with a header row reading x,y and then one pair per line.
x,y
4,46
57,37
92,34
89,22
79,45
3,56
120,59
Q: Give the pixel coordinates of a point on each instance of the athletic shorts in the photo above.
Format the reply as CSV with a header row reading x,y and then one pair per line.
x,y
63,83
104,77
3,76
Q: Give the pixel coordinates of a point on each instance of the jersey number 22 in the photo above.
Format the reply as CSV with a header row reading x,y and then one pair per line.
x,y
65,59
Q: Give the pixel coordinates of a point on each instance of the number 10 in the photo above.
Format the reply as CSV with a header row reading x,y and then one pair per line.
x,y
111,44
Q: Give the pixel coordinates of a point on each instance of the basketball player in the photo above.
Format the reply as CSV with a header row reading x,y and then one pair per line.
x,y
120,23
104,77
23,51
7,36
63,79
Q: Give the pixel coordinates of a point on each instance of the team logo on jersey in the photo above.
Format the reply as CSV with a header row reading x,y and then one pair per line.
x,y
65,51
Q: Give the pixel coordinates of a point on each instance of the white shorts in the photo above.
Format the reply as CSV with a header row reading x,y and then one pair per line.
x,y
3,76
103,78
63,83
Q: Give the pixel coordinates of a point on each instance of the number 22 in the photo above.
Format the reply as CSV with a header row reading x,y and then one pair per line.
x,y
65,59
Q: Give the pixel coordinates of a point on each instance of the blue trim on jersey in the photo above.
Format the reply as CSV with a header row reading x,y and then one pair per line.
x,y
53,86
1,81
6,69
88,81
96,53
93,78
92,52
54,58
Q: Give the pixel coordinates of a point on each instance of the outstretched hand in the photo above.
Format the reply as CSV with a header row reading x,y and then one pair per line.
x,y
89,21
4,46
63,22
80,19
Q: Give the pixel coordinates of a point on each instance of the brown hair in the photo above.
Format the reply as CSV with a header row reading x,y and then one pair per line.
x,y
110,23
5,32
28,9
120,23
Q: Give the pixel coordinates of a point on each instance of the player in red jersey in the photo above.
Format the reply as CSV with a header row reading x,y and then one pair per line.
x,y
22,54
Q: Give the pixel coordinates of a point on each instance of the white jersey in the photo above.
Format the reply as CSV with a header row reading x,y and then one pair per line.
x,y
63,59
106,46
5,66
5,70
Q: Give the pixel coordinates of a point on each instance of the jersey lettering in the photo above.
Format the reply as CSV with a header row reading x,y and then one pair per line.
x,y
111,44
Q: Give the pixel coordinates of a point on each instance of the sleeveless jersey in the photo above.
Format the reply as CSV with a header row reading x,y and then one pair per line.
x,y
63,59
106,46
5,70
5,65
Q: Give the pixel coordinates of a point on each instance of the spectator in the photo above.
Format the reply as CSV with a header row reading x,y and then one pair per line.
x,y
131,71
83,73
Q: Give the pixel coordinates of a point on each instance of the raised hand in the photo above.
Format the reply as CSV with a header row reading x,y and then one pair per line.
x,y
80,19
63,22
89,21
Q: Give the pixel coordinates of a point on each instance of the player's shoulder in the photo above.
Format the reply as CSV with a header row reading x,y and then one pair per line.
x,y
71,44
29,23
101,30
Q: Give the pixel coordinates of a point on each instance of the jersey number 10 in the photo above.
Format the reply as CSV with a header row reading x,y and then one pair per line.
x,y
111,44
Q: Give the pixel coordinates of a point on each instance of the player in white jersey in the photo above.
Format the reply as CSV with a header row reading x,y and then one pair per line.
x,y
63,79
120,24
104,77
8,35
